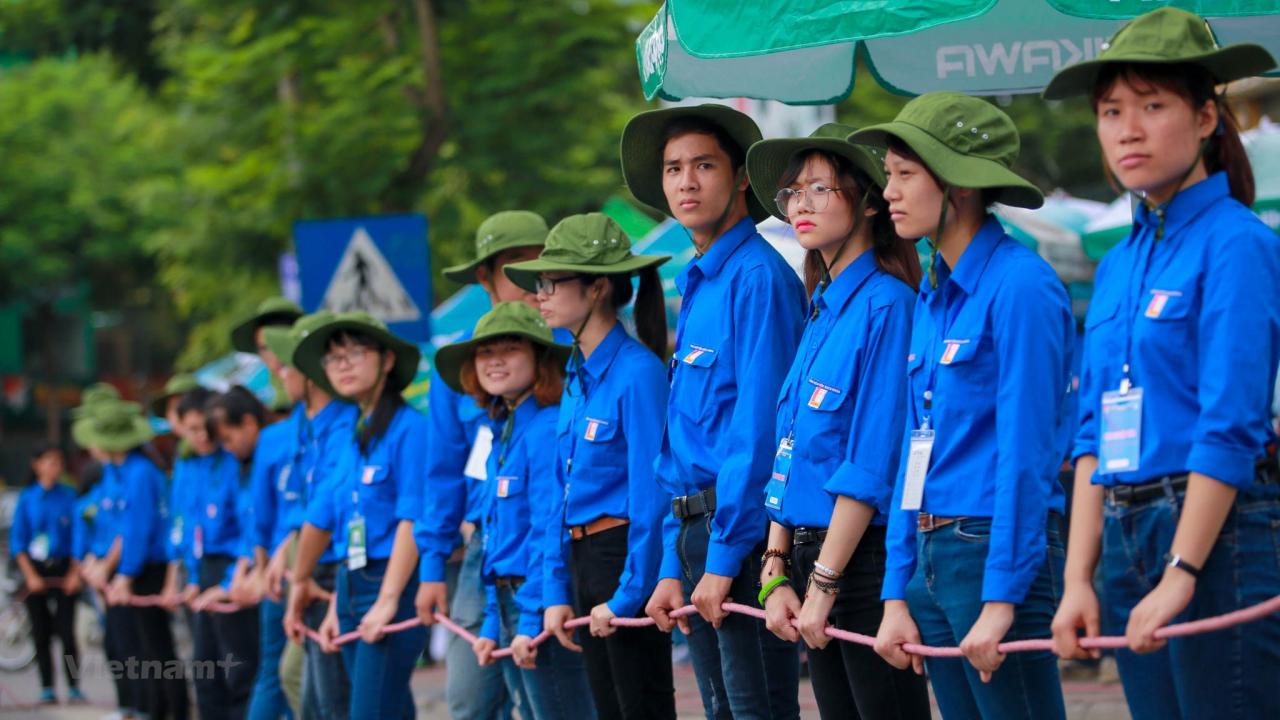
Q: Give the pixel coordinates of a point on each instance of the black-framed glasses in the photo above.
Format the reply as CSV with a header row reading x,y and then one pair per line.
x,y
819,196
547,286
351,358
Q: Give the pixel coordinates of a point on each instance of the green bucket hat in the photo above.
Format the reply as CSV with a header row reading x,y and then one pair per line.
x,y
767,160
501,231
310,350
94,395
591,243
505,319
272,311
643,140
284,341
1165,36
965,141
179,384
113,426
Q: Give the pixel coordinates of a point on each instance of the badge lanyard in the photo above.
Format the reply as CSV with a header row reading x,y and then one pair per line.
x,y
920,445
682,323
775,488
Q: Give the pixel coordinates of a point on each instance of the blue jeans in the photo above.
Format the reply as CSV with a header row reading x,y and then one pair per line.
x,y
945,599
744,671
379,672
472,692
326,691
268,701
557,688
1233,673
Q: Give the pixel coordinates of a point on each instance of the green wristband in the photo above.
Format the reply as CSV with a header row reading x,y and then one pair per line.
x,y
770,587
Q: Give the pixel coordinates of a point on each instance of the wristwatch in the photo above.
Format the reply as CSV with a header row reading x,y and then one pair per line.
x,y
1177,561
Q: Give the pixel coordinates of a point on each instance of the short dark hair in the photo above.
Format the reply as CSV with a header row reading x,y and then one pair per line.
x,y
686,125
194,400
236,404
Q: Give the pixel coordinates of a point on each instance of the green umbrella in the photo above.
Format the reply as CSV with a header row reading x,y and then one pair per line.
x,y
805,51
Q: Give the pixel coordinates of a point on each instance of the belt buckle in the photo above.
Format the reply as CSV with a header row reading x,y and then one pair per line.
x,y
680,506
925,522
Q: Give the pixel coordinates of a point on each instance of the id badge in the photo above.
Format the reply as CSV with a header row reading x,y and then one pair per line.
x,y
357,555
197,542
777,484
38,550
921,449
1120,449
478,460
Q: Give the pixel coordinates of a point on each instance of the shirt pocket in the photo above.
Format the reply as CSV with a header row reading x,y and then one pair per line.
x,y
966,373
823,427
377,491
694,391
599,441
1166,324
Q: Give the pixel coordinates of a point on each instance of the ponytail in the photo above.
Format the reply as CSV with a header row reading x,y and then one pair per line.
x,y
651,312
1226,153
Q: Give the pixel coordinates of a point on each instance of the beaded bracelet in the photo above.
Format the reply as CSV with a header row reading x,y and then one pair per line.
x,y
827,571
782,555
827,588
770,586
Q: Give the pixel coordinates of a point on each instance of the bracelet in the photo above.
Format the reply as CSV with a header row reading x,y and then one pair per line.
x,y
826,588
827,571
770,586
782,555
1177,561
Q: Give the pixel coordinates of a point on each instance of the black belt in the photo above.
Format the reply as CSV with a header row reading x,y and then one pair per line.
x,y
1265,474
690,506
808,535
509,581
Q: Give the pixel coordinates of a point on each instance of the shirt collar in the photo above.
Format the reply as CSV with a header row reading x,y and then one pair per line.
x,y
847,283
974,260
325,419
1185,205
713,260
601,358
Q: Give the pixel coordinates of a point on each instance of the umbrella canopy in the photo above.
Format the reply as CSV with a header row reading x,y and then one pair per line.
x,y
805,51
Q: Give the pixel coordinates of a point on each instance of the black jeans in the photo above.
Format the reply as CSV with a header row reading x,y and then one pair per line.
x,y
226,652
851,680
61,622
161,689
629,671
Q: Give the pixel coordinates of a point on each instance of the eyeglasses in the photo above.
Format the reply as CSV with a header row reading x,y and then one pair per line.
x,y
819,197
547,286
350,358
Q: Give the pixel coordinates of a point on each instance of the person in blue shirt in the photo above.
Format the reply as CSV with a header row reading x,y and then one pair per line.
x,y
374,501
741,315
973,546
513,369
322,424
839,417
40,541
135,521
453,496
1176,485
606,502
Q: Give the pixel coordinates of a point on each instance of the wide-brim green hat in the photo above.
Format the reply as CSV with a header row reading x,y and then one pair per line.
x,y
284,341
501,231
509,319
179,384
767,160
92,396
1165,36
591,243
114,426
272,311
966,141
644,139
310,351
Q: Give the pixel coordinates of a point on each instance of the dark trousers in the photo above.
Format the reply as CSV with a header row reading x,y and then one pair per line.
x,y
60,621
226,652
120,643
850,680
629,671
161,687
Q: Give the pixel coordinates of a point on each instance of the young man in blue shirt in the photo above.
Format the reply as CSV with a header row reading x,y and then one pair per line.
x,y
740,322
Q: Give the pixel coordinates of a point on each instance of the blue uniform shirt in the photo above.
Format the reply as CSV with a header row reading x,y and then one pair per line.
x,y
608,434
102,533
215,510
274,492
321,443
1204,321
450,496
518,512
741,316
83,522
993,342
842,401
140,514
383,485
42,522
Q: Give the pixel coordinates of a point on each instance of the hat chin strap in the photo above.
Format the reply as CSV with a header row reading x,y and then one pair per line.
x,y
1158,210
724,214
859,219
934,241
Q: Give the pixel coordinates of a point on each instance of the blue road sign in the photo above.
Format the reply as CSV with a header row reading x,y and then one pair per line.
x,y
376,264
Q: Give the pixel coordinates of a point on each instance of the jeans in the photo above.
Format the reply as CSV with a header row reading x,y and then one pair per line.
x,y
60,622
850,680
228,643
556,689
629,671
472,692
1233,673
268,695
379,672
945,599
744,671
326,691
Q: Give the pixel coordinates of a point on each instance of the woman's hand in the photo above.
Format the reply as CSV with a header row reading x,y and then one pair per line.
x,y
524,652
1169,597
981,645
484,649
329,629
897,628
553,621
813,618
780,608
601,616
1078,610
379,615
